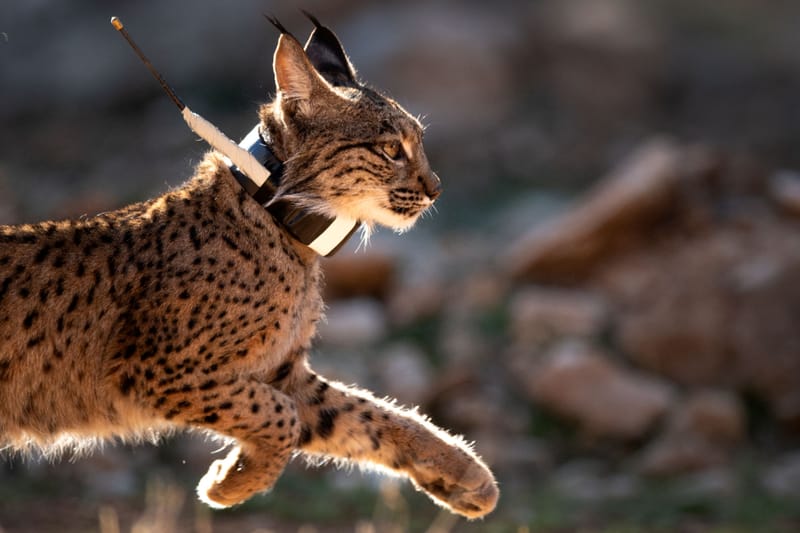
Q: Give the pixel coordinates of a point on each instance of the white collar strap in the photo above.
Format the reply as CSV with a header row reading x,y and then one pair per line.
x,y
322,234
259,172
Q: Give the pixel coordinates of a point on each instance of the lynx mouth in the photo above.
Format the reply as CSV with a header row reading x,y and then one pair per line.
x,y
408,202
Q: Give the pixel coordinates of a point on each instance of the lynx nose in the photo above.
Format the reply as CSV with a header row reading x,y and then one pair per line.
x,y
432,185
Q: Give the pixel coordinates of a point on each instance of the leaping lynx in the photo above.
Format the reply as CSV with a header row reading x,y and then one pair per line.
x,y
197,309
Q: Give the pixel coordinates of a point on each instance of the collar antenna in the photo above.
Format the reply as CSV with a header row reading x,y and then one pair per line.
x,y
249,162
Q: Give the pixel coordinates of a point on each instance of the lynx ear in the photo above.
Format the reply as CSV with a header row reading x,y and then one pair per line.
x,y
295,77
327,55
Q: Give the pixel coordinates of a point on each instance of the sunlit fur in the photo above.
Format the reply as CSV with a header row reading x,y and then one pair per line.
x,y
331,143
196,310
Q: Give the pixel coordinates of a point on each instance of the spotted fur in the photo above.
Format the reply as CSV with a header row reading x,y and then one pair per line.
x,y
195,310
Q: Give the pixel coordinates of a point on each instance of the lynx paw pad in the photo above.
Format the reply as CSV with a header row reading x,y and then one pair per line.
x,y
470,491
471,503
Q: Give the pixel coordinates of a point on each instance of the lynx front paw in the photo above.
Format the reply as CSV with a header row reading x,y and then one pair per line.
x,y
214,488
457,480
233,480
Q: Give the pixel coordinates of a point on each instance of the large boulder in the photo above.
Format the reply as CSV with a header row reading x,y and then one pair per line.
x,y
697,255
538,313
616,215
702,432
716,308
369,274
605,399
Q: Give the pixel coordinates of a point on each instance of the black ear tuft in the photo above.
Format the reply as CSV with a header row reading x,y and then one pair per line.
x,y
314,20
275,22
327,55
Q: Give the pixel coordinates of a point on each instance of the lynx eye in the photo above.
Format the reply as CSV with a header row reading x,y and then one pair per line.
x,y
392,149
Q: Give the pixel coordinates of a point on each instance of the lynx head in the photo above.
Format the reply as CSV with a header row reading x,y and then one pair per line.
x,y
347,149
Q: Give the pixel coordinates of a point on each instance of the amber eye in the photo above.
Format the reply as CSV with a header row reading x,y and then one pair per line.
x,y
392,149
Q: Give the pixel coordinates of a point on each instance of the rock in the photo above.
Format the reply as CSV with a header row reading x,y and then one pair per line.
x,y
477,293
577,382
673,318
715,415
472,400
470,407
616,214
461,345
588,480
405,374
514,451
782,477
707,299
353,322
358,275
716,309
415,302
702,432
538,313
720,482
675,454
784,190
762,330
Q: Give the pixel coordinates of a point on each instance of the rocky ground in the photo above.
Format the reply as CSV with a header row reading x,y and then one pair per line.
x,y
605,301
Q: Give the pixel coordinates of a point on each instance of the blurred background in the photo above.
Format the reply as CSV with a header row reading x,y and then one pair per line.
x,y
606,300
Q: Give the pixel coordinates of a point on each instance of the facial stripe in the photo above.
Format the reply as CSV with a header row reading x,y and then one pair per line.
x,y
353,169
362,159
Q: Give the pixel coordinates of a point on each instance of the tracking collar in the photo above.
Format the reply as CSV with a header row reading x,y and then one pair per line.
x,y
259,172
319,232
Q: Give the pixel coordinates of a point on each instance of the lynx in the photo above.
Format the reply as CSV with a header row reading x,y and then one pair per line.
x,y
196,309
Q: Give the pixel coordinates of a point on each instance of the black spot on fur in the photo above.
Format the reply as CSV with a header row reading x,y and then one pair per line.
x,y
326,422
73,303
30,318
195,238
208,385
42,254
33,341
126,384
283,371
305,435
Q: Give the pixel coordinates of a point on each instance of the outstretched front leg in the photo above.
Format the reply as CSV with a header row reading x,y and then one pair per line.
x,y
344,422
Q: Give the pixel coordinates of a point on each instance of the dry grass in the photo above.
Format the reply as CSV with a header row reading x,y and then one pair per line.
x,y
164,512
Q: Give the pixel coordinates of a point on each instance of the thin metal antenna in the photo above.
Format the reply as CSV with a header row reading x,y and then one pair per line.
x,y
167,89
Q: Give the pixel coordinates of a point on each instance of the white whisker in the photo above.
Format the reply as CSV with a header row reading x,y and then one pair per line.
x,y
366,233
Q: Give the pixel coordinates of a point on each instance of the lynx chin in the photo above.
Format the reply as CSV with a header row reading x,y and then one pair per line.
x,y
197,309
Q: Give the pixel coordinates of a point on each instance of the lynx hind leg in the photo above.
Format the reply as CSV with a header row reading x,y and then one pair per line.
x,y
347,423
